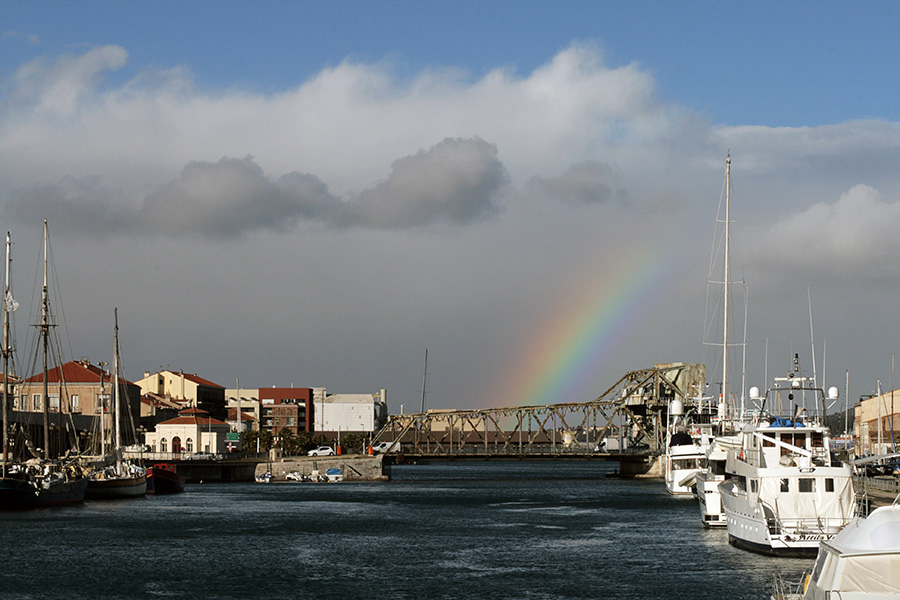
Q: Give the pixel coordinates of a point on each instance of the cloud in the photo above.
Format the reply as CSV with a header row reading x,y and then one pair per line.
x,y
853,238
587,182
57,89
453,182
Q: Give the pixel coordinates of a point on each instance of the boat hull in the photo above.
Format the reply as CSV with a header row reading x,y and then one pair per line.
x,y
17,494
119,487
162,480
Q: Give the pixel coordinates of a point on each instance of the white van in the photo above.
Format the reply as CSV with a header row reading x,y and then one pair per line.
x,y
382,447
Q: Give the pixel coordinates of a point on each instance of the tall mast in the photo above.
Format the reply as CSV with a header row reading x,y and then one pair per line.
x,y
724,398
116,425
7,306
424,379
45,336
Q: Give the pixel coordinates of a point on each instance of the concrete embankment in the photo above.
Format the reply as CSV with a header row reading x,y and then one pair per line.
x,y
354,467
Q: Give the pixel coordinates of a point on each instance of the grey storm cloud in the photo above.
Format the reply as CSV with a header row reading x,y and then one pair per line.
x,y
452,182
587,182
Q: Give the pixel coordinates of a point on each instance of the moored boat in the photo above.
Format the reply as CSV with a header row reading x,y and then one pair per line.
x,y
162,479
862,562
784,493
39,481
123,479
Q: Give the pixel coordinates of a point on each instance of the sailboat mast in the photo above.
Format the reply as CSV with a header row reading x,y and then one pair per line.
x,y
45,336
117,427
424,379
7,299
724,397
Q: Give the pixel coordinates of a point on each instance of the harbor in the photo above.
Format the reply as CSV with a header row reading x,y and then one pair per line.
x,y
479,530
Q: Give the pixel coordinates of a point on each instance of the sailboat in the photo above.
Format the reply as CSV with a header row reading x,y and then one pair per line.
x,y
712,471
38,481
121,479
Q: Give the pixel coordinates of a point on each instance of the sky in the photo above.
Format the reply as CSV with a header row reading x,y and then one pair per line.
x,y
315,193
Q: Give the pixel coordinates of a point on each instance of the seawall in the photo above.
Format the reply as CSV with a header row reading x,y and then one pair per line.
x,y
354,467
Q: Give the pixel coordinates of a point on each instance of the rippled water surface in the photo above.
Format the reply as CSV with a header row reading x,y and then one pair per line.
x,y
458,530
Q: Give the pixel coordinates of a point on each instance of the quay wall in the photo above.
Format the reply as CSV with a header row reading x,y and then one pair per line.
x,y
354,467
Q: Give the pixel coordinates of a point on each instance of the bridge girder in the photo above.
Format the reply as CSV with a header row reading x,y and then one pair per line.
x,y
639,398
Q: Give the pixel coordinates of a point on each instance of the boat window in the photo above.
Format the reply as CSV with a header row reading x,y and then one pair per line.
x,y
807,484
820,562
785,485
829,484
768,440
818,440
754,486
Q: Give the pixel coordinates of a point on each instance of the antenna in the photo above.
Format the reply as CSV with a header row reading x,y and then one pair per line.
x,y
812,340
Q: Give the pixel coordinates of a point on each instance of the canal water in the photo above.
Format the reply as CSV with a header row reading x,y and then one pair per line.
x,y
486,530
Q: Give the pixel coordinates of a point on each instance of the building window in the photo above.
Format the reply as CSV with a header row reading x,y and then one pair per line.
x,y
76,403
16,402
189,445
54,402
36,398
163,445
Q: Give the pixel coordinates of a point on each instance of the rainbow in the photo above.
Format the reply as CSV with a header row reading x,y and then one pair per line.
x,y
563,355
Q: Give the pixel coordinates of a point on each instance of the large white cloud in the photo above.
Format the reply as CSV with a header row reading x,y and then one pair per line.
x,y
850,239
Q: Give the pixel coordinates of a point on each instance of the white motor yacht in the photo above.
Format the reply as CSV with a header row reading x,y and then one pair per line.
x,y
784,493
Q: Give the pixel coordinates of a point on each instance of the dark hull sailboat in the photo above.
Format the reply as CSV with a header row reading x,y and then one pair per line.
x,y
39,481
22,491
124,479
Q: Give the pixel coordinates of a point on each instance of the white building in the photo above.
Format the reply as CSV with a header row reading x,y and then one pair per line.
x,y
193,430
356,413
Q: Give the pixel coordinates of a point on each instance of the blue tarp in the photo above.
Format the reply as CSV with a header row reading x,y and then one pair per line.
x,y
783,422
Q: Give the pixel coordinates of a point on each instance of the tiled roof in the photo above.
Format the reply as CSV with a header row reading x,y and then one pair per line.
x,y
193,416
76,371
196,379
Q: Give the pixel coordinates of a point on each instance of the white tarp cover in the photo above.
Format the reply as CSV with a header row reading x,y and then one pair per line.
x,y
869,559
836,505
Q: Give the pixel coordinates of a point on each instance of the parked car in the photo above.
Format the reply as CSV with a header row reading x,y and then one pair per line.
x,y
321,451
201,456
382,447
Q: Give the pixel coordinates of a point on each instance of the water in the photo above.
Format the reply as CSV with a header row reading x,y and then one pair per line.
x,y
443,531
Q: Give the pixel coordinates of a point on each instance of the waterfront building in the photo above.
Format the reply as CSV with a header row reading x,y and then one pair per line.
x,y
349,413
186,388
193,430
85,389
155,409
286,408
876,423
248,402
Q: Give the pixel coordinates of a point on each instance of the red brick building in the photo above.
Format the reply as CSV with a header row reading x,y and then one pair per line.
x,y
286,408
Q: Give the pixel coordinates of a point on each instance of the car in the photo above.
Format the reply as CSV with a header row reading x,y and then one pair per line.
x,y
201,456
321,451
382,447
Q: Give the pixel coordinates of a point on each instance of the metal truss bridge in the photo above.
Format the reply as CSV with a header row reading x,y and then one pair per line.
x,y
626,422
